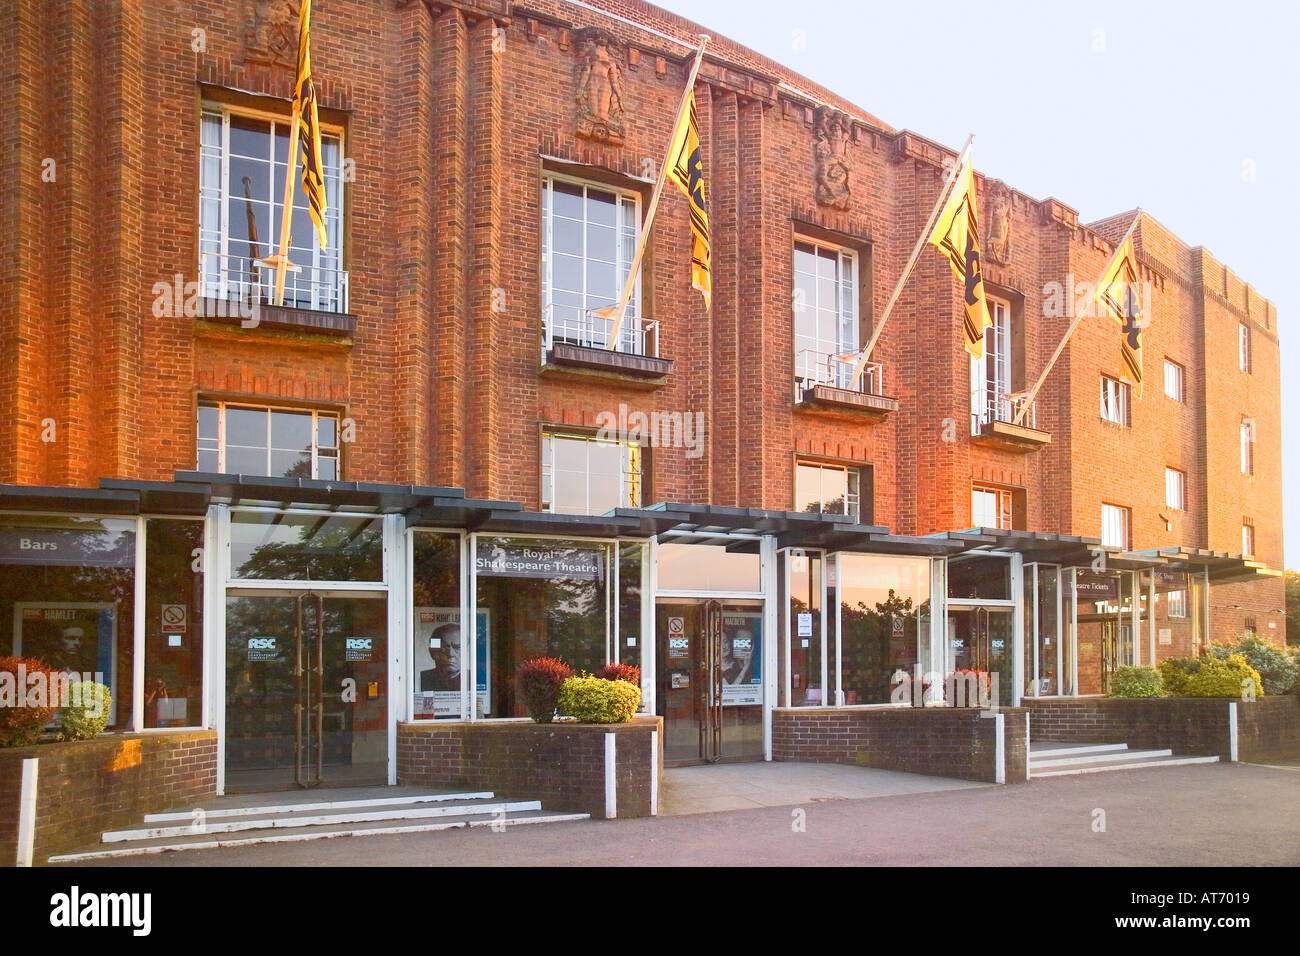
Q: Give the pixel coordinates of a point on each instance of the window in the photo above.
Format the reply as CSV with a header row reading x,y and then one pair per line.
x,y
1247,538
585,475
1247,446
1249,626
270,442
1243,347
828,489
991,507
825,312
1177,603
1175,489
1115,526
990,376
1174,381
241,201
589,238
1114,400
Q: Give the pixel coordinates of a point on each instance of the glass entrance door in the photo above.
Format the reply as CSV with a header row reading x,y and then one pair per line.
x,y
710,682
981,639
306,689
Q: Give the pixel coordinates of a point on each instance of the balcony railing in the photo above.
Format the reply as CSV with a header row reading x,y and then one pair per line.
x,y
313,288
821,368
989,406
569,325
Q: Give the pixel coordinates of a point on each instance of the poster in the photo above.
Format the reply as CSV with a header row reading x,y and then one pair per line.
x,y
437,662
742,658
69,636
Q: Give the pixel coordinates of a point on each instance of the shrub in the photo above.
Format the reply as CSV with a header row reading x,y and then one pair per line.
x,y
539,682
87,712
1137,682
20,724
1277,669
1176,672
594,700
628,672
1223,678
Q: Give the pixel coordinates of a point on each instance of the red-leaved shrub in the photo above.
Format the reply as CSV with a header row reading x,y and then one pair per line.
x,y
628,672
21,724
539,681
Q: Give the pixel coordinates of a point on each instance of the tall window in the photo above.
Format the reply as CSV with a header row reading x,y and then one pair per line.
x,y
1115,524
828,489
1114,400
1175,489
585,475
270,442
1247,446
1174,381
241,202
1247,538
990,376
825,312
1243,346
589,238
1177,603
991,507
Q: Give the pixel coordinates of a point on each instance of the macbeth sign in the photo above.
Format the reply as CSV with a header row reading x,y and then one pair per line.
x,y
527,561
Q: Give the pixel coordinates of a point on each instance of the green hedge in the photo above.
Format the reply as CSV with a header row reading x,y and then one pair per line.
x,y
1137,682
593,700
1209,676
87,714
1277,668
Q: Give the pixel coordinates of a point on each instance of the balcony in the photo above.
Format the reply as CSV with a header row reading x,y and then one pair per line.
x,y
240,289
993,421
575,342
823,382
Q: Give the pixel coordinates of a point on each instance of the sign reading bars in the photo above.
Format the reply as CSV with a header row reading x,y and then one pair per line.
x,y
529,561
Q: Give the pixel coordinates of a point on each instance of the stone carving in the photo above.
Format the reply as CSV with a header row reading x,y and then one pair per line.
x,y
830,152
271,32
599,85
999,239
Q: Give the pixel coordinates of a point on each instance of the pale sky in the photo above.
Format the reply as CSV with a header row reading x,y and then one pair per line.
x,y
1187,109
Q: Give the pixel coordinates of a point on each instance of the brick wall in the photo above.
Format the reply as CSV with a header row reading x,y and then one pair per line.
x,y
944,742
88,786
561,764
1185,725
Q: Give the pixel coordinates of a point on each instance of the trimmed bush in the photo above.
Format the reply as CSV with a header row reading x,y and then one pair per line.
x,y
1220,678
1277,669
628,672
21,723
1176,672
594,700
1137,682
86,715
539,682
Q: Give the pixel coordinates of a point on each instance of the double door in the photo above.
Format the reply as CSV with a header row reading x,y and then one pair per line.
x,y
981,639
710,680
306,689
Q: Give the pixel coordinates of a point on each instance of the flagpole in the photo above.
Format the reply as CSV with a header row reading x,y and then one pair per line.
x,y
281,259
1033,392
865,353
635,268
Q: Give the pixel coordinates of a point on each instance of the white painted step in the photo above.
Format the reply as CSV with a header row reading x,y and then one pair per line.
x,y
293,819
320,806
1119,756
319,832
1169,761
1070,750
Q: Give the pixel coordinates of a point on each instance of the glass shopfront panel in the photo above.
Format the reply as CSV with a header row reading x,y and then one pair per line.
x,y
884,619
1175,620
804,630
67,599
437,646
1104,615
708,567
275,546
979,578
173,620
631,559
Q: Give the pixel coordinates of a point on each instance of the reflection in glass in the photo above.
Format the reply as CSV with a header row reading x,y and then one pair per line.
x,y
884,615
273,546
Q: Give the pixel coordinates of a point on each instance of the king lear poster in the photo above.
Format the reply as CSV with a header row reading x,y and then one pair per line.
x,y
742,658
437,662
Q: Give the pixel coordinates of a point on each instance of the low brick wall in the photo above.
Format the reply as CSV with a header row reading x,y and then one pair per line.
x,y
85,787
940,741
561,764
1196,726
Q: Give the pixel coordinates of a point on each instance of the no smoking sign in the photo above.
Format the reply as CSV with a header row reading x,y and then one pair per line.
x,y
174,618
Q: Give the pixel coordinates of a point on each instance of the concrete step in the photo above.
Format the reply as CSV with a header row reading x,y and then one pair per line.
x,y
1167,761
1116,756
316,806
1037,750
322,831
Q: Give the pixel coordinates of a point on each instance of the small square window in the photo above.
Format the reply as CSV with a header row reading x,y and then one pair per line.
x,y
1174,386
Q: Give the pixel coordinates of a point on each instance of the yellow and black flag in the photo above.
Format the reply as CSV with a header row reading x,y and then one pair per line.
x,y
956,234
687,171
304,95
1119,295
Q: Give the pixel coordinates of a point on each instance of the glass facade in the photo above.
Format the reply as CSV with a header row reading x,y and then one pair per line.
x,y
884,621
173,616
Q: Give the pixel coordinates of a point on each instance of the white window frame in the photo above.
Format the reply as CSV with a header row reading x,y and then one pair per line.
x,y
848,326
1243,347
1248,446
990,376
631,474
1176,604
1247,539
1115,398
1175,489
1004,504
852,476
1179,381
1116,517
629,337
334,213
316,414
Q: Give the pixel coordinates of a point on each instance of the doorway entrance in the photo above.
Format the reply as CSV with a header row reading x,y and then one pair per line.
x,y
982,639
710,682
306,689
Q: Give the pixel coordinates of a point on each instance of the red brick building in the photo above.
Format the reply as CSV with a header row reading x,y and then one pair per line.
x,y
488,164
